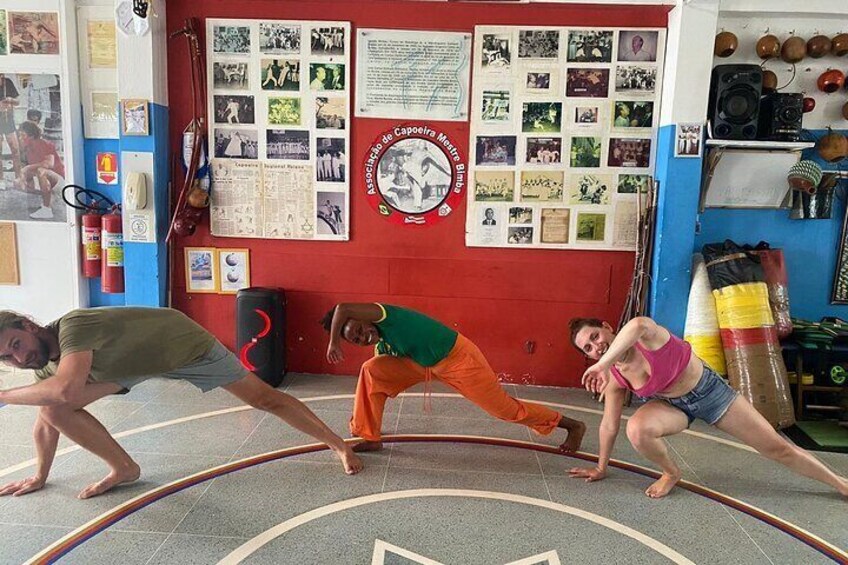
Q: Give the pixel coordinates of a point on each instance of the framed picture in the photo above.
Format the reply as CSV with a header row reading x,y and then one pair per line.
x,y
687,140
233,270
134,117
201,267
840,277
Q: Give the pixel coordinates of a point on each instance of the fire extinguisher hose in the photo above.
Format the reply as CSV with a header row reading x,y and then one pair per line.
x,y
97,201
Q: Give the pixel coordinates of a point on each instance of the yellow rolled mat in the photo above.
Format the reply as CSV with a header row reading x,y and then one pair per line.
x,y
710,349
743,306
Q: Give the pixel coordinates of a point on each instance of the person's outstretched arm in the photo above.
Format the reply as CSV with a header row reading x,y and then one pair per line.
x,y
62,388
362,311
607,434
643,330
46,439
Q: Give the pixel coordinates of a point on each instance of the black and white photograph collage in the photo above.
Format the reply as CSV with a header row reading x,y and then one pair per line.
x,y
563,127
279,93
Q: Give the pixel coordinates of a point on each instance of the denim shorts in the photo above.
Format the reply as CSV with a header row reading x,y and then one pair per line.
x,y
708,401
218,367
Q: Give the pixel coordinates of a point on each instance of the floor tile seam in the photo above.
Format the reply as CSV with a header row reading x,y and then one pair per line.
x,y
722,506
53,526
475,471
180,521
541,469
246,439
128,416
391,448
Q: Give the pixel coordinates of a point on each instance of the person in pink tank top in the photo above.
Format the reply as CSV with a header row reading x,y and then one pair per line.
x,y
648,360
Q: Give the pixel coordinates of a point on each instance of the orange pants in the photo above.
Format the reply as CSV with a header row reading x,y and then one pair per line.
x,y
464,369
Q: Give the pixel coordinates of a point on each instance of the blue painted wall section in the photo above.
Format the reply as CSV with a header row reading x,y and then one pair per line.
x,y
677,209
146,264
810,247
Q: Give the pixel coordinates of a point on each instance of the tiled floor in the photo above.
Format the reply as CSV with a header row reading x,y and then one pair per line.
x,y
473,504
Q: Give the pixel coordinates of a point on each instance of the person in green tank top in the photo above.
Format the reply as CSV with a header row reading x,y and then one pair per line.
x,y
411,348
91,353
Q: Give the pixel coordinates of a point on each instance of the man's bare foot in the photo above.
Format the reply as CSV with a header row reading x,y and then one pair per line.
x,y
351,461
575,437
663,485
364,446
843,490
113,479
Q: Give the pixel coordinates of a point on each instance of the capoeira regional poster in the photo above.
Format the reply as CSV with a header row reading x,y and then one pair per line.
x,y
563,126
279,128
414,174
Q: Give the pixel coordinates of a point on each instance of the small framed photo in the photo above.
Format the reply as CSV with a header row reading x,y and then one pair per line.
x,y
201,267
233,270
687,140
134,117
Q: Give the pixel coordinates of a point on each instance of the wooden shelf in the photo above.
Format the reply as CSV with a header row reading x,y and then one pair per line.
x,y
814,388
764,145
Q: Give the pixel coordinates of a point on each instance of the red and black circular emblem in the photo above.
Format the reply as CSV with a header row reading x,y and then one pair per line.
x,y
414,175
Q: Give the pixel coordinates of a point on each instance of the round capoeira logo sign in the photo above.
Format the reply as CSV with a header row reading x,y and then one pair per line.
x,y
414,175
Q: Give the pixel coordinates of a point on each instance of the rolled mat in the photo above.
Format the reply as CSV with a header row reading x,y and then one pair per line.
x,y
729,263
774,270
743,306
701,329
758,373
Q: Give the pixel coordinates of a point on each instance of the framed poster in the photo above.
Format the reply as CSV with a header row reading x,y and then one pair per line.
x,y
840,276
234,270
278,97
134,117
201,267
564,125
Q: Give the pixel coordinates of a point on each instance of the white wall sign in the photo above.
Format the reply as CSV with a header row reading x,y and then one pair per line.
x,y
412,75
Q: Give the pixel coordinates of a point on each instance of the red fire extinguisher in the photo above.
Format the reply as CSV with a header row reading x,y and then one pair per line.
x,y
91,244
112,278
102,237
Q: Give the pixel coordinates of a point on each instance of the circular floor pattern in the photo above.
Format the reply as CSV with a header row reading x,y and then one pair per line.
x,y
87,531
31,462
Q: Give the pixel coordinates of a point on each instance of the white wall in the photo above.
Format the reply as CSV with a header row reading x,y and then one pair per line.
x,y
49,252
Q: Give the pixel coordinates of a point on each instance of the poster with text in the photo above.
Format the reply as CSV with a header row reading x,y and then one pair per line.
x,y
412,75
564,125
279,101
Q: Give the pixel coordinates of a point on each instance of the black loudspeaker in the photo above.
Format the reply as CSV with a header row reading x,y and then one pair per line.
x,y
261,332
780,117
735,101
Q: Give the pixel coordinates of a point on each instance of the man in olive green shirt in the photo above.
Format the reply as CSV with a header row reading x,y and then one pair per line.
x,y
413,348
91,353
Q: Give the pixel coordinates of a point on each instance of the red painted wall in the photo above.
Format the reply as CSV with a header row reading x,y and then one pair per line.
x,y
500,298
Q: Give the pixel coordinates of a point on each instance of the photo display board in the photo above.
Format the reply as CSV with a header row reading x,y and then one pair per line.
x,y
563,131
279,128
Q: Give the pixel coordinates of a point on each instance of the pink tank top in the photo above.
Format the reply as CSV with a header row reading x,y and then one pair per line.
x,y
667,363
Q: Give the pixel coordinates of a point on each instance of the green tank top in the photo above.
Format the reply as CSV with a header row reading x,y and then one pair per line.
x,y
407,333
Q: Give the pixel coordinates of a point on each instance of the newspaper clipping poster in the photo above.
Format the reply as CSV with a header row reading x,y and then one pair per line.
x,y
289,201
563,129
236,210
279,102
413,75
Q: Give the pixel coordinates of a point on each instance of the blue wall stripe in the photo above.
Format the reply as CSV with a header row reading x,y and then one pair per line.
x,y
677,207
146,264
